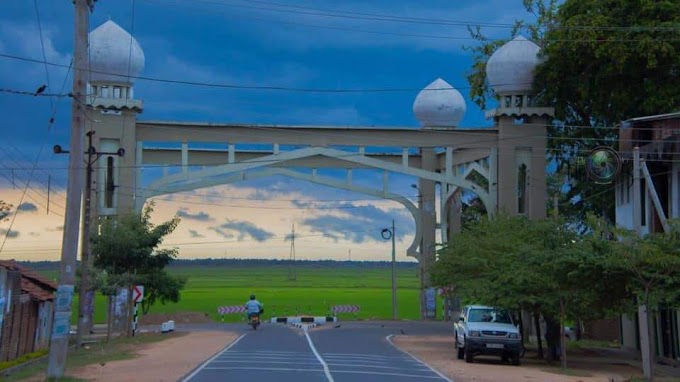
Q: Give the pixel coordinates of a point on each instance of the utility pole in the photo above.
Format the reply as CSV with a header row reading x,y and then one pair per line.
x,y
86,294
292,275
390,233
394,275
85,301
69,249
643,310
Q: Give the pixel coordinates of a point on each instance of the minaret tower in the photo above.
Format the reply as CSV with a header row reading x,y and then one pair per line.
x,y
116,59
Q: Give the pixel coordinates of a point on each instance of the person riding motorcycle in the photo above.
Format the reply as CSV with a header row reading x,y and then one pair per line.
x,y
253,307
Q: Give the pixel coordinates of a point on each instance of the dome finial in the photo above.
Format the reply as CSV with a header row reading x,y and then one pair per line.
x,y
510,70
439,105
115,56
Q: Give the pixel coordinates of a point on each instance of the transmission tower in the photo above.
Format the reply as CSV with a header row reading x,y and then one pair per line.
x,y
292,275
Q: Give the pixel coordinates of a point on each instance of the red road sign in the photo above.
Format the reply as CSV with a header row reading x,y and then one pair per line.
x,y
137,294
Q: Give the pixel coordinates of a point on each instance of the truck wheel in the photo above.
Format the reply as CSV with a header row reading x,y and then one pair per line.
x,y
468,355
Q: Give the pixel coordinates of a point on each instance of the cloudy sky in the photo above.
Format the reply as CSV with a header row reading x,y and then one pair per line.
x,y
291,43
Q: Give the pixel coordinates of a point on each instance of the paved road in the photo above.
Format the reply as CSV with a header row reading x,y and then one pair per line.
x,y
353,352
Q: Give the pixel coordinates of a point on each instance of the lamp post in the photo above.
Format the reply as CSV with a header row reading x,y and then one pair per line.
x,y
85,300
387,234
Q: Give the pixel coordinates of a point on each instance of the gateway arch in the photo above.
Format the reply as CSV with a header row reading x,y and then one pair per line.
x,y
504,165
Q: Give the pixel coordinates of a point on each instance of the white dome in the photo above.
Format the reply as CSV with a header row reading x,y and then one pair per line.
x,y
439,105
511,68
114,54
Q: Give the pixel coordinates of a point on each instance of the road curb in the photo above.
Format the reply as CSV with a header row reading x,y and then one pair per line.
x,y
301,325
303,319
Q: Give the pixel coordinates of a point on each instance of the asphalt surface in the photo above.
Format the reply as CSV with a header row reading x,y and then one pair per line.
x,y
352,352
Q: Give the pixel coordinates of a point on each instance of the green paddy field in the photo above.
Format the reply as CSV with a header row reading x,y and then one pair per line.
x,y
316,289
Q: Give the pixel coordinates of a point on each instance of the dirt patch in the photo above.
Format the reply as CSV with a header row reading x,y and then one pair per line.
x,y
179,318
438,352
168,360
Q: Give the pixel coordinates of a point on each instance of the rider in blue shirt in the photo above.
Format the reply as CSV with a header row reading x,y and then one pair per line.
x,y
253,306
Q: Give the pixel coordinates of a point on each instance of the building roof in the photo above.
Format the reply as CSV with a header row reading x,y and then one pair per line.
x,y
36,285
650,118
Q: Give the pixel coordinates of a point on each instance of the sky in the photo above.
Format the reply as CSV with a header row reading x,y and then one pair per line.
x,y
301,44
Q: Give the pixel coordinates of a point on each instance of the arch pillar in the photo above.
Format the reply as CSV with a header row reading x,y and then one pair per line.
x,y
426,205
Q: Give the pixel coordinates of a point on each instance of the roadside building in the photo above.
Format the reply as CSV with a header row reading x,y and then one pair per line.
x,y
26,309
658,140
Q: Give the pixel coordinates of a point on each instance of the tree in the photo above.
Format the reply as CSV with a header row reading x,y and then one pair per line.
x,y
126,251
604,62
542,266
161,286
651,264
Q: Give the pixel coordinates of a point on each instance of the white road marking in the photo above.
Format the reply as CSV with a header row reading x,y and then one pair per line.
x,y
389,339
421,368
329,355
318,356
276,357
419,376
213,358
259,361
364,362
263,368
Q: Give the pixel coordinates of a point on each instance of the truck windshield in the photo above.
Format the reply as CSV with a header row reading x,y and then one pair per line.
x,y
489,315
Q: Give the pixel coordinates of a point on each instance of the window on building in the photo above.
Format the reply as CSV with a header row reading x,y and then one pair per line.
x,y
116,92
508,101
518,101
108,192
522,189
104,91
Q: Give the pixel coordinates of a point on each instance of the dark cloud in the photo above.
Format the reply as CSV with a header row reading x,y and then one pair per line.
x,y
194,233
360,223
242,229
12,234
199,216
223,233
27,207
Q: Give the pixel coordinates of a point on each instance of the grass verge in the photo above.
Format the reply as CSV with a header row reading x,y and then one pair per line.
x,y
101,353
569,372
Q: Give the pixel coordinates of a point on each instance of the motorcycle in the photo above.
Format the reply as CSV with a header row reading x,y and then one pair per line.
x,y
255,321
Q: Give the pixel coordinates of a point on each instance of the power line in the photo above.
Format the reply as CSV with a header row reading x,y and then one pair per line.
x,y
244,87
302,10
42,46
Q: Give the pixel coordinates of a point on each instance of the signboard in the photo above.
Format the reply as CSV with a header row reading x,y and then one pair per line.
x,y
121,302
431,302
137,294
64,297
62,325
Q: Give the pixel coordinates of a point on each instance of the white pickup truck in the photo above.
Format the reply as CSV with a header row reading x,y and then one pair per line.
x,y
485,330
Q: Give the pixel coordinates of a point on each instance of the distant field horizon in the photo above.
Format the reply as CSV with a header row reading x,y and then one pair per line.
x,y
318,286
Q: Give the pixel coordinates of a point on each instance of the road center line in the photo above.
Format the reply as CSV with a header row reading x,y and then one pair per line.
x,y
318,356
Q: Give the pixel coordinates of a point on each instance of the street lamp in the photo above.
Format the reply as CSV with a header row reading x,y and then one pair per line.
x,y
387,234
